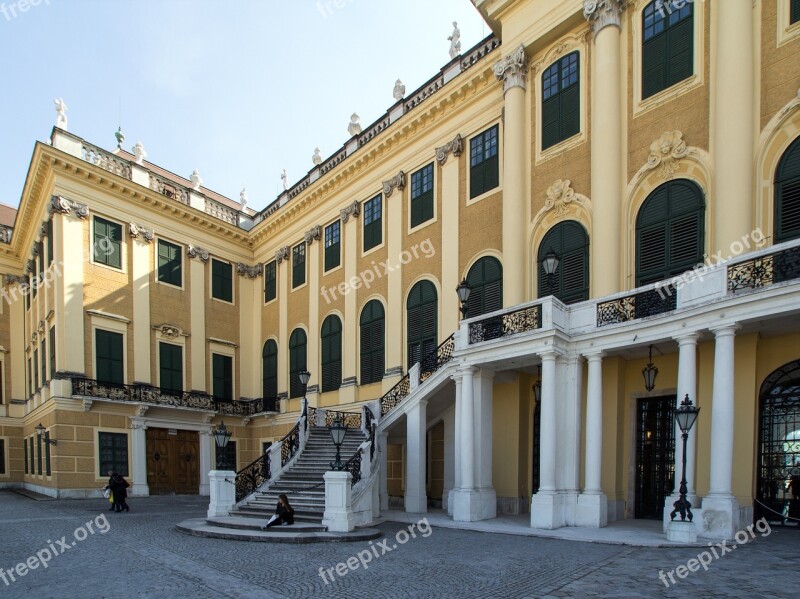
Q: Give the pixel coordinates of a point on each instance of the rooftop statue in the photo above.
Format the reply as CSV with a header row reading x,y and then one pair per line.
x,y
61,114
243,198
455,41
139,152
354,128
399,90
285,179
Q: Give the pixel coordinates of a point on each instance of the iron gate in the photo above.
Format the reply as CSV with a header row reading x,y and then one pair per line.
x,y
655,454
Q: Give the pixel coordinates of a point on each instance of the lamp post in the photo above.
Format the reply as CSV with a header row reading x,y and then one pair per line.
x,y
304,376
221,437
537,388
685,416
40,433
650,373
338,430
550,265
464,290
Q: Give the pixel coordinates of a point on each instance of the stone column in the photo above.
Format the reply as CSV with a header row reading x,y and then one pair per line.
x,y
449,422
733,111
607,143
207,462
483,383
545,504
394,298
197,314
457,432
282,258
416,458
720,509
347,392
593,503
465,496
142,267
313,348
512,71
451,271
383,448
139,458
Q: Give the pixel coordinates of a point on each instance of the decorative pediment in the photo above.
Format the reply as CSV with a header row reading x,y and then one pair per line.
x,y
666,152
396,182
454,147
170,331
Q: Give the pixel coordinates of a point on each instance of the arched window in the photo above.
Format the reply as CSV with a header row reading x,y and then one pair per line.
x,y
486,279
787,195
570,281
669,232
561,102
422,307
297,361
372,342
331,353
269,370
667,45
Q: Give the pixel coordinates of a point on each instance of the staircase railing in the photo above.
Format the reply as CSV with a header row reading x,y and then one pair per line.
x,y
349,419
429,364
252,476
290,444
353,466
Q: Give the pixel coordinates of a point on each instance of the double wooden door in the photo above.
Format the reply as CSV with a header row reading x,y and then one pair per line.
x,y
173,462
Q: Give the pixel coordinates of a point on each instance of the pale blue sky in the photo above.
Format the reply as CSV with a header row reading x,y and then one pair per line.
x,y
238,89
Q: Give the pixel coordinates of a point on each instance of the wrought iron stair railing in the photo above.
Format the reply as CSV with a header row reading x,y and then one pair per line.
x,y
353,466
252,476
349,419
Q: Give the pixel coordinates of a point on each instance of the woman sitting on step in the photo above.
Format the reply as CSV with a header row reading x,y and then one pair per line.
x,y
284,513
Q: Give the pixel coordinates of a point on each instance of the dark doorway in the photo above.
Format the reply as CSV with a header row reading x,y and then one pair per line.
x,y
173,465
778,485
655,455
536,458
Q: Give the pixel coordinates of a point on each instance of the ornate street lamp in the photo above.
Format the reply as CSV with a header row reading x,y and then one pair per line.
x,y
221,437
338,430
550,265
537,388
304,376
463,290
650,373
685,416
40,434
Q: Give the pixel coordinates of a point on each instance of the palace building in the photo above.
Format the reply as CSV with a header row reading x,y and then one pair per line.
x,y
618,184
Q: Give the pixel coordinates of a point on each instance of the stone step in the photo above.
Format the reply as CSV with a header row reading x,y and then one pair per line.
x,y
256,524
199,527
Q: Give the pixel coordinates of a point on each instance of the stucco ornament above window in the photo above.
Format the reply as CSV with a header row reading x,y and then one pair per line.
x,y
170,331
666,152
251,272
353,209
559,195
602,13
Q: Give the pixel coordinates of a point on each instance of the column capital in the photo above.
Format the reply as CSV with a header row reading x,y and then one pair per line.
x,y
727,330
687,338
594,356
512,69
602,13
552,354
461,371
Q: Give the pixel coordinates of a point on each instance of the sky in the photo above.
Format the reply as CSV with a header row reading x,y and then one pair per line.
x,y
237,89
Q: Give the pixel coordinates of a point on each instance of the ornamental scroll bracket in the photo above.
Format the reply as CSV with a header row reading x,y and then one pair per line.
x,y
197,252
454,147
282,254
312,235
251,272
396,182
353,210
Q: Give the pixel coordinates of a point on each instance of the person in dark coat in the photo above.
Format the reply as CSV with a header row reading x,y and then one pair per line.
x,y
284,513
118,487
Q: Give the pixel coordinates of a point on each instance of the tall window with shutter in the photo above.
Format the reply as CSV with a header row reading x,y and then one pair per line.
x,y
170,263
670,235
269,370
297,361
484,163
422,195
787,195
222,373
668,46
372,329
422,308
331,353
270,281
486,279
108,354
794,12
561,110
333,245
298,265
221,280
570,282
170,359
373,222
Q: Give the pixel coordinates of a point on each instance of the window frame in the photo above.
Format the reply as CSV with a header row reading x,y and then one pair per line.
x,y
95,243
268,279
375,224
295,389
330,364
96,356
161,368
179,256
544,247
562,92
222,279
472,195
297,250
330,246
117,435
228,382
264,378
370,355
428,195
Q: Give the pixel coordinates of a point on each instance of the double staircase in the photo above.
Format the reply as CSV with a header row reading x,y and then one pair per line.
x,y
303,481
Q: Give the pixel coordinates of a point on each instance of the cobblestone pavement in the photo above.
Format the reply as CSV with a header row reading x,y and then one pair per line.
x,y
141,555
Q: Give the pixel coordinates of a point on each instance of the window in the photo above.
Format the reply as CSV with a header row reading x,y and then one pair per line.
x,y
43,363
486,279
108,353
269,370
298,265
170,361
422,195
668,45
669,232
47,469
226,458
221,280
31,454
38,455
484,164
794,12
570,282
331,353
113,453
372,343
28,293
50,242
270,281
422,307
787,194
222,368
169,263
561,110
52,352
297,361
25,456
41,259
35,370
333,245
107,246
3,456
30,377
373,222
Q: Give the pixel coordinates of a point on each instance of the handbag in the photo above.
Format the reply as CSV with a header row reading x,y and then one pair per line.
x,y
106,493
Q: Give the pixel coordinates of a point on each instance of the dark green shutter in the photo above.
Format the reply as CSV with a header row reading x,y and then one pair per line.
x,y
221,280
113,453
170,359
52,351
270,282
50,241
25,455
108,351
43,363
794,13
372,329
47,469
332,245
297,361
38,455
169,263
422,198
667,56
486,279
298,265
787,195
570,283
681,48
331,353
32,456
107,242
654,65
561,108
222,367
422,308
484,170
269,368
373,230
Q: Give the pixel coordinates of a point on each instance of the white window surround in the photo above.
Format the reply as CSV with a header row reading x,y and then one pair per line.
x,y
123,246
786,31
112,323
183,263
500,141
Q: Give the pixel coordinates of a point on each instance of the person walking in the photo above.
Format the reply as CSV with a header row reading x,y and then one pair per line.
x,y
118,487
284,513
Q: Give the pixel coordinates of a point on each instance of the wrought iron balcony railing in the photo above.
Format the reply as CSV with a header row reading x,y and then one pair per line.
x,y
503,325
783,265
638,305
349,419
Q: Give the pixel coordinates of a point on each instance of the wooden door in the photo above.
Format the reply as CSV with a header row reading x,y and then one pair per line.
x,y
173,462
